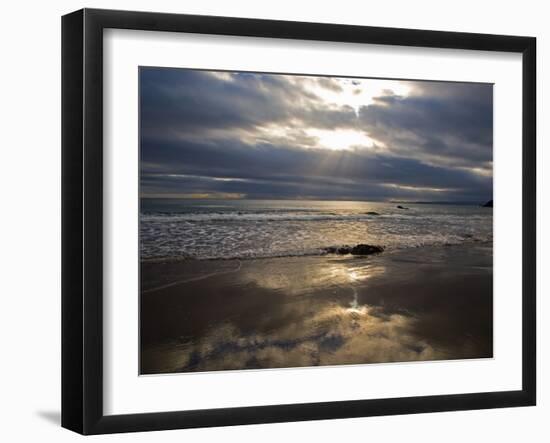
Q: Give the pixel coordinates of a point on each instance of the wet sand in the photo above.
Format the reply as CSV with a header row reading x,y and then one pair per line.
x,y
419,304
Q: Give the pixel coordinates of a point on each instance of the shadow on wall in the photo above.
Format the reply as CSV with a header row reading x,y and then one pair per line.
x,y
54,417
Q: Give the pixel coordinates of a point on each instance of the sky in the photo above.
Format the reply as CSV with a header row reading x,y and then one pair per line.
x,y
213,134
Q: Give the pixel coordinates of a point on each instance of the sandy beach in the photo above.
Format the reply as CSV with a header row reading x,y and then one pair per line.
x,y
429,303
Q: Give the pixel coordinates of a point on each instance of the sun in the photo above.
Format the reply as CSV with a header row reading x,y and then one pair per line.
x,y
340,139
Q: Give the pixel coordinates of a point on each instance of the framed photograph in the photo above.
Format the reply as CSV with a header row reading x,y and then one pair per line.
x,y
268,221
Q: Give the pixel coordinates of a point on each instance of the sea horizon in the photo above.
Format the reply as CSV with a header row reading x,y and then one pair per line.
x,y
397,201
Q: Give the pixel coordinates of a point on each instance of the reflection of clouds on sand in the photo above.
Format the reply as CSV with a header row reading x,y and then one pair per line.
x,y
330,275
333,335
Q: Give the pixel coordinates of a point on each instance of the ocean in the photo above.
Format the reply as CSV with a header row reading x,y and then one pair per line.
x,y
178,229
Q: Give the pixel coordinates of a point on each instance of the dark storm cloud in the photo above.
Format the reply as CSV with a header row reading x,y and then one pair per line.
x,y
207,132
177,101
449,122
183,100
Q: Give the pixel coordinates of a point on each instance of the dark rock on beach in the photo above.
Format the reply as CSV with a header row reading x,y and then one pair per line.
x,y
401,207
366,249
372,213
361,249
489,204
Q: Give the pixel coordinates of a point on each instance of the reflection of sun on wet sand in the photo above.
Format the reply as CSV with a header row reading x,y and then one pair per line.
x,y
309,311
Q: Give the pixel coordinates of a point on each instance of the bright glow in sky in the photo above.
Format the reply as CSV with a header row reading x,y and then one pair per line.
x,y
340,139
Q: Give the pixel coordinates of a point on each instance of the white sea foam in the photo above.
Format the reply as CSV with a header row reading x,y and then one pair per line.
x,y
274,229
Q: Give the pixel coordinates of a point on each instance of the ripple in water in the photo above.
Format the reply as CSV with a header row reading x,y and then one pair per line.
x,y
244,229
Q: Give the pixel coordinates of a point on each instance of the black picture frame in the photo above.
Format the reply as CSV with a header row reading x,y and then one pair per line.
x,y
82,219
